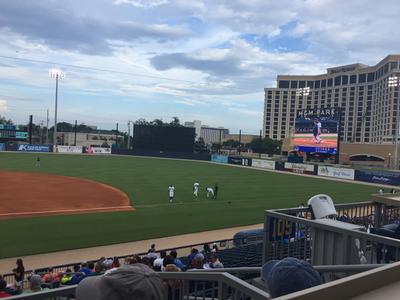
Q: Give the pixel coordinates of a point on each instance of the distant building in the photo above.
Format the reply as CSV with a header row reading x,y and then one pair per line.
x,y
210,135
244,139
101,138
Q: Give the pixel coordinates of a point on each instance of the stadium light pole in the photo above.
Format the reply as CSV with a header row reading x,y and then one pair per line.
x,y
58,75
129,133
394,82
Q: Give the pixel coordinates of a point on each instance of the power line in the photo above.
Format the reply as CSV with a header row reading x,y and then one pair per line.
x,y
94,69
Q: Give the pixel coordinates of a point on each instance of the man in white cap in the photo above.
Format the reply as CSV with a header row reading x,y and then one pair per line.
x,y
136,281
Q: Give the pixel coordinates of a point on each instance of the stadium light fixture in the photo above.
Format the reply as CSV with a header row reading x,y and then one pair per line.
x,y
58,75
394,82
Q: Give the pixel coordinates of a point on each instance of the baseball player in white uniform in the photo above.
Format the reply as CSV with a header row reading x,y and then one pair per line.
x,y
171,192
210,191
196,186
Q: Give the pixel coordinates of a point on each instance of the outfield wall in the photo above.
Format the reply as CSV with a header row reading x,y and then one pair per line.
x,y
372,176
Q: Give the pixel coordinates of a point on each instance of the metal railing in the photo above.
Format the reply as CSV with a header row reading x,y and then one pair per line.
x,y
292,232
182,251
208,284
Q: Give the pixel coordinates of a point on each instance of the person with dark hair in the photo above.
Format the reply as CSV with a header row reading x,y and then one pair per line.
x,y
158,262
3,287
177,261
168,260
192,254
19,273
215,262
152,248
116,263
206,248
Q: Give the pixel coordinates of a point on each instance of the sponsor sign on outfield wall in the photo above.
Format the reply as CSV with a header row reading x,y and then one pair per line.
x,y
299,168
34,148
262,163
98,150
239,161
336,172
2,147
69,149
219,158
378,177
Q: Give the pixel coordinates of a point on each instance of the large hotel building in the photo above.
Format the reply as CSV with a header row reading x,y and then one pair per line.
x,y
367,95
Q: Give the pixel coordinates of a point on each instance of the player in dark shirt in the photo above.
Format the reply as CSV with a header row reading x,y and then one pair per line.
x,y
215,191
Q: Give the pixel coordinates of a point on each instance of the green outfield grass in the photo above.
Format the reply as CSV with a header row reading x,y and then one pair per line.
x,y
244,194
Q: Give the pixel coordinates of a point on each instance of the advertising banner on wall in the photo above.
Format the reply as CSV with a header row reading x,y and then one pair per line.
x,y
263,164
69,149
2,147
34,148
98,150
223,159
299,168
239,161
378,177
316,130
342,173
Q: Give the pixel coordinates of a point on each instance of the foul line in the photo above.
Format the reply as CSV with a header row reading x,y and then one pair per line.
x,y
109,208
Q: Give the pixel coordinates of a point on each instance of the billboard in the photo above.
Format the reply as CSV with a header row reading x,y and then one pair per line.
x,y
317,130
299,168
163,138
223,159
381,177
98,150
34,148
334,172
69,149
263,164
239,161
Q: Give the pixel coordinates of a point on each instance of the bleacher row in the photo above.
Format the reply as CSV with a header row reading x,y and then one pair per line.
x,y
230,255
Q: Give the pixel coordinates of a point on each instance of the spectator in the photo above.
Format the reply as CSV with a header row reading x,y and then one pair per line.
x,y
35,284
206,249
177,261
116,263
137,258
66,277
131,282
168,260
192,254
289,275
3,288
214,248
19,273
84,269
152,248
98,269
215,262
198,261
108,263
51,278
158,263
91,266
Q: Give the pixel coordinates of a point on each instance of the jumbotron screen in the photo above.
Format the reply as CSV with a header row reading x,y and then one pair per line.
x,y
316,130
163,138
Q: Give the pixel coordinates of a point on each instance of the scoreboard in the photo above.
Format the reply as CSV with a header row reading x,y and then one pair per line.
x,y
12,132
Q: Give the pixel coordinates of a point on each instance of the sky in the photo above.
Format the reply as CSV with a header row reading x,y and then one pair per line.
x,y
207,60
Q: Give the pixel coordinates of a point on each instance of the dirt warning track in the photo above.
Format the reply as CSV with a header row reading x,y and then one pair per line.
x,y
25,194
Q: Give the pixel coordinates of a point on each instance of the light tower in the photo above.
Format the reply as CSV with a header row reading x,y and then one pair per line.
x,y
58,75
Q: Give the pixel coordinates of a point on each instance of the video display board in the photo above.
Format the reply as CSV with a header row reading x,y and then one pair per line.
x,y
13,132
317,130
164,138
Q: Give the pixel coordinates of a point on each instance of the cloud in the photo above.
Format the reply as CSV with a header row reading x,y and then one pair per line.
x,y
142,3
3,105
247,112
46,23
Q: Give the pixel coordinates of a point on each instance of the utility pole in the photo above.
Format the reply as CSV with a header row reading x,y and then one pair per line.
x,y
240,141
75,128
116,138
30,128
259,152
47,127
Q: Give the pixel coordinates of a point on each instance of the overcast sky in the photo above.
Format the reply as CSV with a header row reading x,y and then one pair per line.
x,y
195,59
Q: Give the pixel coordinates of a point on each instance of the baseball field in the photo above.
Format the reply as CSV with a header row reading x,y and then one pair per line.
x,y
243,196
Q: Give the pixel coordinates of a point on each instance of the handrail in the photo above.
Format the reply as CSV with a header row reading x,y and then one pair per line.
x,y
123,256
359,234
